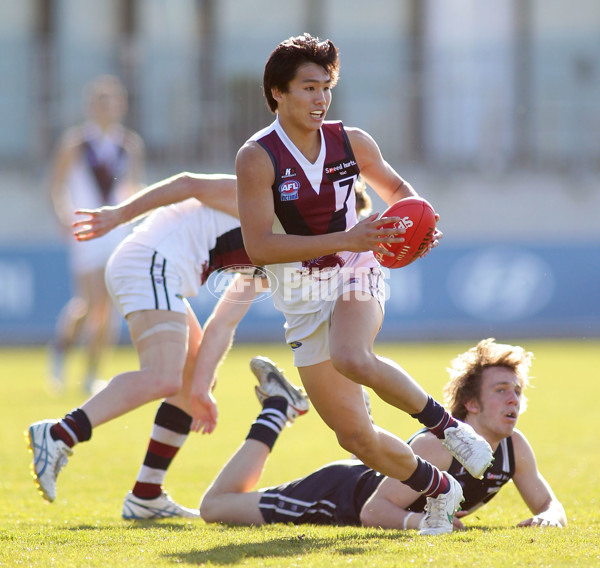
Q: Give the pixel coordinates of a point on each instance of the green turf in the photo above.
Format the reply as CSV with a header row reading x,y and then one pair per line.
x,y
83,527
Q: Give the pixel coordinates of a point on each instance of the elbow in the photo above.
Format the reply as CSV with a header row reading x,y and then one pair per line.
x,y
185,182
257,256
257,260
261,245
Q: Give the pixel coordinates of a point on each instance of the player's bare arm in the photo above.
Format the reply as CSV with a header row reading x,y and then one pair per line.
x,y
66,153
386,182
386,508
216,342
535,490
214,190
255,201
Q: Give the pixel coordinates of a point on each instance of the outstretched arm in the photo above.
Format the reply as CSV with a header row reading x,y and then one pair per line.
x,y
535,490
386,182
216,342
214,190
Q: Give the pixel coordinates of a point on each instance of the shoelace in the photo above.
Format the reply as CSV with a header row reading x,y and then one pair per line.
x,y
435,509
467,439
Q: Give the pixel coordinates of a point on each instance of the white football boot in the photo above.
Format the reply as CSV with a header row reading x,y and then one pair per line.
x,y
439,511
272,382
49,457
469,448
161,507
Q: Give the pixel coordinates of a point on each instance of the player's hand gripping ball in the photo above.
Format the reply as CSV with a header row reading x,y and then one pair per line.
x,y
417,217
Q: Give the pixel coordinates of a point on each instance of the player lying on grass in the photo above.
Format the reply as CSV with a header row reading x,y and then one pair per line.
x,y
149,276
485,390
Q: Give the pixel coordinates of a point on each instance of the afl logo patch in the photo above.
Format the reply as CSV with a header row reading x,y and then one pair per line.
x,y
289,190
295,344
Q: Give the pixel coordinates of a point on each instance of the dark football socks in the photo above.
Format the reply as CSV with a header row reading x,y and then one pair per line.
x,y
428,479
435,418
75,427
270,422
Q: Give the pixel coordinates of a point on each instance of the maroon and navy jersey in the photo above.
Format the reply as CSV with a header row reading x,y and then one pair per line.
x,y
107,171
478,492
311,198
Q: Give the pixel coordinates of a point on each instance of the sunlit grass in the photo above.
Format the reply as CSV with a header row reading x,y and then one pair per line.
x,y
83,527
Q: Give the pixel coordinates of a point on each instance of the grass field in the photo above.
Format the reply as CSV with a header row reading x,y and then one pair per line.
x,y
83,526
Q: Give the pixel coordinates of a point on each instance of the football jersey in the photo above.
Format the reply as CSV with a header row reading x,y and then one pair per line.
x,y
478,492
196,239
311,199
97,178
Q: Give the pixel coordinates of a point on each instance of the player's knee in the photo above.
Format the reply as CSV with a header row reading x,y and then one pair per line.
x,y
164,384
356,441
77,307
164,368
206,510
170,386
98,320
353,364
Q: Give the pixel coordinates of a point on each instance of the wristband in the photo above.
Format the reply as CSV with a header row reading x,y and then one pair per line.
x,y
405,523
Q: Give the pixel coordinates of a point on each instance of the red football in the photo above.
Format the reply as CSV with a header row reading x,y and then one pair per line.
x,y
418,218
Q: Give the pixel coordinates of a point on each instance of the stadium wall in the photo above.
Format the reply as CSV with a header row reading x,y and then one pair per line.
x,y
459,291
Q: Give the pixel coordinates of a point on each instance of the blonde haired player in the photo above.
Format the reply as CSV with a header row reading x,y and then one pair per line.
x,y
486,389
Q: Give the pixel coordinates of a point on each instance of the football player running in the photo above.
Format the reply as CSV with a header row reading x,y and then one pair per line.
x,y
295,199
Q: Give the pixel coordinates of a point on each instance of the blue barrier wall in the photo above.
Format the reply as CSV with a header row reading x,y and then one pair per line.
x,y
457,292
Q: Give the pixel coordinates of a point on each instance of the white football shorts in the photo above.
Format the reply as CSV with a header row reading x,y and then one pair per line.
x,y
140,278
308,334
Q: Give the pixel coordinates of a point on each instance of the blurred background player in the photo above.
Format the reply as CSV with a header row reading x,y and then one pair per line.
x,y
486,389
162,262
99,162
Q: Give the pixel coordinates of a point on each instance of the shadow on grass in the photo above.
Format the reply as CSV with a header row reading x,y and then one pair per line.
x,y
284,547
169,526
